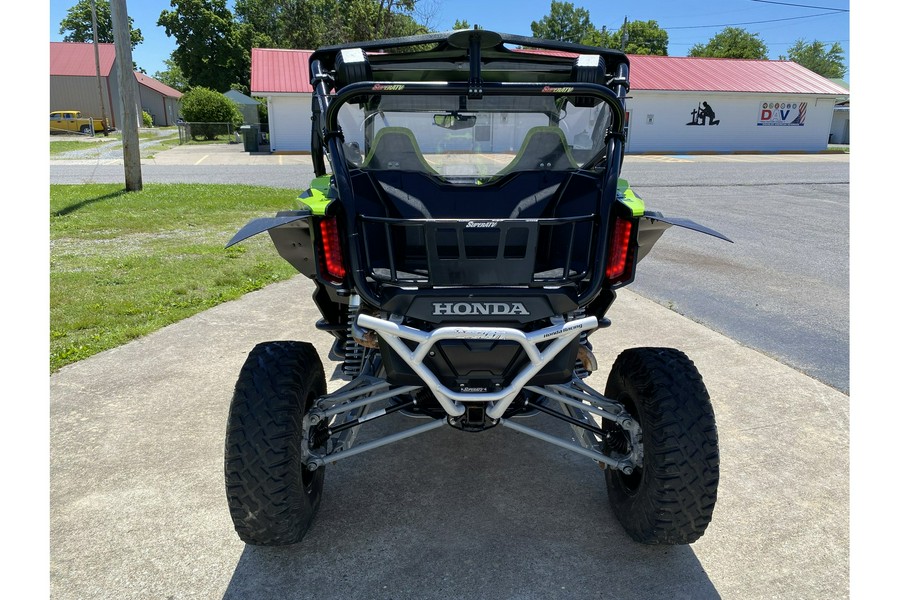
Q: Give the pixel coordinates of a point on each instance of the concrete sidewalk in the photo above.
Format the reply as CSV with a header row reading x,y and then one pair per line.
x,y
138,505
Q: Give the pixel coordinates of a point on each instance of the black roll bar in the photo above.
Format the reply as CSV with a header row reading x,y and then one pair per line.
x,y
333,137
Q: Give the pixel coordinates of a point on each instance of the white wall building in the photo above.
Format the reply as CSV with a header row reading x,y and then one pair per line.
x,y
758,106
282,77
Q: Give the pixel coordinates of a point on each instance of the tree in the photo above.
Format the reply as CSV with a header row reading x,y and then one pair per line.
x,y
206,110
827,63
732,42
264,16
77,25
309,24
644,37
172,76
564,23
377,19
213,49
464,24
601,38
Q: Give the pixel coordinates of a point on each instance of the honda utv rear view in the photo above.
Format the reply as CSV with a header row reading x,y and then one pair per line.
x,y
466,232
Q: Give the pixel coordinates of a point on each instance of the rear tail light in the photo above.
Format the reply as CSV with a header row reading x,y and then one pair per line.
x,y
332,256
618,259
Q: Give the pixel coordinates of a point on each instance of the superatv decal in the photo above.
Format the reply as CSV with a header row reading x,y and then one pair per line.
x,y
484,224
557,90
378,87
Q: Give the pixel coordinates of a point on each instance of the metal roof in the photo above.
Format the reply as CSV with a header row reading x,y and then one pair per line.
x,y
285,71
240,98
674,73
279,71
157,86
77,59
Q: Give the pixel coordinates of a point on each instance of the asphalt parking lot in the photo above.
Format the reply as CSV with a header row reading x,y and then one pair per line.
x,y
137,504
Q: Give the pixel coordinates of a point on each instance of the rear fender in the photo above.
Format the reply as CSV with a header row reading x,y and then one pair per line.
x,y
652,225
291,234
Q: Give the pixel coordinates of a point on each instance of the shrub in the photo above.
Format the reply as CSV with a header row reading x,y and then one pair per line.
x,y
206,109
148,120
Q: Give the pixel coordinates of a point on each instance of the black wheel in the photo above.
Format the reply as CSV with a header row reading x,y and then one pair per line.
x,y
272,496
670,498
85,129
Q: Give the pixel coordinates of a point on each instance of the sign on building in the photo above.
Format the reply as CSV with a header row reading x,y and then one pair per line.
x,y
782,114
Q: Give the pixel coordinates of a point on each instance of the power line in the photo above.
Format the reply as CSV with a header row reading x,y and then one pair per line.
x,y
767,43
748,22
802,5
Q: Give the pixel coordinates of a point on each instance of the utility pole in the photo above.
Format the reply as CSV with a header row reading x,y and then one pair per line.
x,y
131,149
97,62
624,34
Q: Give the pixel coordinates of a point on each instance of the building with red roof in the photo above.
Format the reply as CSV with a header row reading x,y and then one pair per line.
x,y
74,85
282,78
676,104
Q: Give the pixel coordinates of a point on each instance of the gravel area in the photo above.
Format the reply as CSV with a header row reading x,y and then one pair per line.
x,y
108,148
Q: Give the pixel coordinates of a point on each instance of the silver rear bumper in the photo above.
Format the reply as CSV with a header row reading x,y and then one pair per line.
x,y
560,336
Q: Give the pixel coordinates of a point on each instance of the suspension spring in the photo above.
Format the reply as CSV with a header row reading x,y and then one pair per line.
x,y
354,353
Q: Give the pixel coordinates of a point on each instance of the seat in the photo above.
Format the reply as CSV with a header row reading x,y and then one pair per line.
x,y
544,148
395,149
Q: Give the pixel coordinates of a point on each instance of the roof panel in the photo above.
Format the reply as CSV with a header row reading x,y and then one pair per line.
x,y
157,86
672,73
77,59
279,71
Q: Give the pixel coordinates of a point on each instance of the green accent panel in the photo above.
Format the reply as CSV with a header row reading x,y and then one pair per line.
x,y
317,196
626,196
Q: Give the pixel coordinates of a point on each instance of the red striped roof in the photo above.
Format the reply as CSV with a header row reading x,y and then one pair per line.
x,y
76,59
279,71
288,71
693,74
157,86
686,73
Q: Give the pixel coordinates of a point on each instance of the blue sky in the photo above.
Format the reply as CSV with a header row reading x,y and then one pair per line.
x,y
688,21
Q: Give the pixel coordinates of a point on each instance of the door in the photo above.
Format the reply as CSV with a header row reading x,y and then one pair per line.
x,y
56,122
627,127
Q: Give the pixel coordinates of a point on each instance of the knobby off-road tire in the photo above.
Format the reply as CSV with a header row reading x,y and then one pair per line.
x,y
670,499
271,495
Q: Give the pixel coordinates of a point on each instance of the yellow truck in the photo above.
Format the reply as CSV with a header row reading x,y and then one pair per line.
x,y
63,121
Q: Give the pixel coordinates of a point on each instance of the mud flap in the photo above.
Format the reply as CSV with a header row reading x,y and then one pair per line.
x,y
260,225
653,224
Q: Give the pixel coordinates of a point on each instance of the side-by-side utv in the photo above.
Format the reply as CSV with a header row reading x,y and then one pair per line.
x,y
466,232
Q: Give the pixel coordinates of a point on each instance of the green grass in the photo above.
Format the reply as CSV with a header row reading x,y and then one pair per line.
x,y
68,146
123,265
93,147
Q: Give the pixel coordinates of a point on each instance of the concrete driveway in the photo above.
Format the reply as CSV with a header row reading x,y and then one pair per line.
x,y
138,506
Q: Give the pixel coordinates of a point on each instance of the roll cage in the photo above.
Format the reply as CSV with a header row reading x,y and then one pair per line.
x,y
469,65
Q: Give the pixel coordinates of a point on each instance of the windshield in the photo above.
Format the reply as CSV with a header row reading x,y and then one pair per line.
x,y
462,139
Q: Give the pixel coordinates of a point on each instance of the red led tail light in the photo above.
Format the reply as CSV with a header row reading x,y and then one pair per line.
x,y
333,257
617,261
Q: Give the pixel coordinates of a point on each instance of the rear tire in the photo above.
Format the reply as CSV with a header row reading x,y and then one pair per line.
x,y
85,129
272,496
671,497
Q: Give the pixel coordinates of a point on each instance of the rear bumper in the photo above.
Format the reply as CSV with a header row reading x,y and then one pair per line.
x,y
559,337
